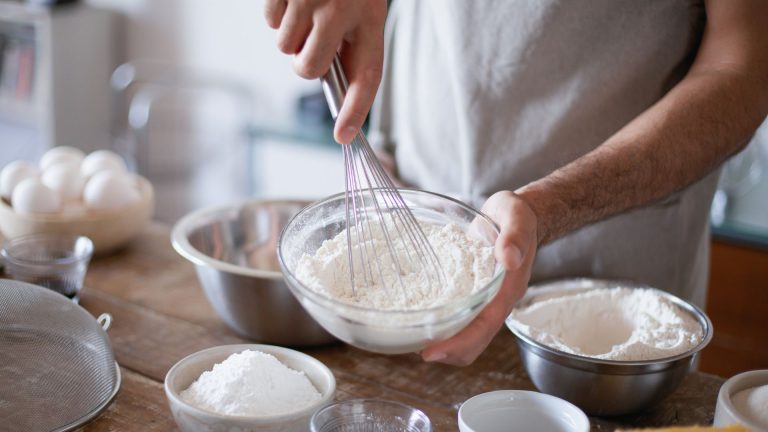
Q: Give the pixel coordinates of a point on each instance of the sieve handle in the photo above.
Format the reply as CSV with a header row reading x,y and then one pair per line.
x,y
105,321
335,86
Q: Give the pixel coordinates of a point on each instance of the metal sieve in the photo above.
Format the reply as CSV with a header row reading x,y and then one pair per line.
x,y
57,370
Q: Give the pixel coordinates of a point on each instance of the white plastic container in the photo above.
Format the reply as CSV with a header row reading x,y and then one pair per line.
x,y
520,410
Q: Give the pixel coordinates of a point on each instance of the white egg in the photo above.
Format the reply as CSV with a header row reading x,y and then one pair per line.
x,y
108,191
13,174
102,160
32,196
59,155
66,179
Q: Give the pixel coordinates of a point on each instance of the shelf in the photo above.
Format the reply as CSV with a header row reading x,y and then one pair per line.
x,y
22,113
72,59
19,13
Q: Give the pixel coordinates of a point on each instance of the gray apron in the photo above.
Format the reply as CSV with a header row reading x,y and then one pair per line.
x,y
482,96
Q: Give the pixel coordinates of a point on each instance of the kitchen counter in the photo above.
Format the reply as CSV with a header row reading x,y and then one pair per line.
x,y
160,315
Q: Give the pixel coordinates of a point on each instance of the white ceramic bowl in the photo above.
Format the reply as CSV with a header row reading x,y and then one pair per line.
x,y
193,419
506,410
107,229
726,413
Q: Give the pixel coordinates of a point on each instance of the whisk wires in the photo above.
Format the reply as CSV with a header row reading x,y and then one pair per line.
x,y
372,202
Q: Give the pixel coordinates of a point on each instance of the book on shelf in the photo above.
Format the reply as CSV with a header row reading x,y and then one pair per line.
x,y
17,68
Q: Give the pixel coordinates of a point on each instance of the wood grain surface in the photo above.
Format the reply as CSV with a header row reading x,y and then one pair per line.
x,y
161,315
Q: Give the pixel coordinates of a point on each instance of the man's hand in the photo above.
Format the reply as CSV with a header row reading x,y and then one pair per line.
x,y
314,30
515,249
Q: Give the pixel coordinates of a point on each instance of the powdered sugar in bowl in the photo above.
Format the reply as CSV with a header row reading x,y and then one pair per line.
x,y
247,388
398,326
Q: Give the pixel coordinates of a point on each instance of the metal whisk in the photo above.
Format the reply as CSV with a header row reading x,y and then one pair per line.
x,y
373,203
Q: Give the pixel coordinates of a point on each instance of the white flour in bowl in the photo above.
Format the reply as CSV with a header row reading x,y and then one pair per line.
x,y
468,266
251,383
753,404
611,324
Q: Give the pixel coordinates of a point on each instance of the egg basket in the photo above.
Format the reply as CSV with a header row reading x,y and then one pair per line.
x,y
108,229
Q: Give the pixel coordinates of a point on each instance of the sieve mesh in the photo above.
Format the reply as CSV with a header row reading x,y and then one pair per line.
x,y
57,369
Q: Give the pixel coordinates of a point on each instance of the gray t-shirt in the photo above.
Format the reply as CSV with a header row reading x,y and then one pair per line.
x,y
482,96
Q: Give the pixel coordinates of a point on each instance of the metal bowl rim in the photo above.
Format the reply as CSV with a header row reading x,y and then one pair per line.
x,y
325,300
182,228
552,353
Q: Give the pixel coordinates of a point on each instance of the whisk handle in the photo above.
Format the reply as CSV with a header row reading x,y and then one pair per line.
x,y
335,86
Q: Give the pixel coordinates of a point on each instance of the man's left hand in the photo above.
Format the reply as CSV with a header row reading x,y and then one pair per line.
x,y
515,249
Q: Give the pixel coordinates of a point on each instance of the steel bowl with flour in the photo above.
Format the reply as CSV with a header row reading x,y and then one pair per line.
x,y
604,387
234,249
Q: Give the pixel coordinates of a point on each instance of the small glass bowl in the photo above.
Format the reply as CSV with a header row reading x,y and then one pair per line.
x,y
362,415
55,261
385,331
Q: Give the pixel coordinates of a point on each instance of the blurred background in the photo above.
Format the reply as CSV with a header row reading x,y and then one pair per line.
x,y
199,100
192,92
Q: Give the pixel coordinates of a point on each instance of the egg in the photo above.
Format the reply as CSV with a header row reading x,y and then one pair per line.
x,y
13,174
61,154
108,190
66,179
32,196
102,160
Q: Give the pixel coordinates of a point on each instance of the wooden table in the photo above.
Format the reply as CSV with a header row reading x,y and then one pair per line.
x,y
161,315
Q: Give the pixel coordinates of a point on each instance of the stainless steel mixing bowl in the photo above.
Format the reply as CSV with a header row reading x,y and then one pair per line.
x,y
604,387
234,249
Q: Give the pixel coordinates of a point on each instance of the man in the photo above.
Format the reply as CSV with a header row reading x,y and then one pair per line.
x,y
596,127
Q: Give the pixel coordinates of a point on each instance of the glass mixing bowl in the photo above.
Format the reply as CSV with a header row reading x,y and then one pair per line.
x,y
385,331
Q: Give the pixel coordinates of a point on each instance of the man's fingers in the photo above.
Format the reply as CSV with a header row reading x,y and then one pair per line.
x,y
513,245
515,219
318,51
315,30
516,249
362,64
273,12
463,348
294,28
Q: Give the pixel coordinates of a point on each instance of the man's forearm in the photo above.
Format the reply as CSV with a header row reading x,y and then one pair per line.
x,y
707,117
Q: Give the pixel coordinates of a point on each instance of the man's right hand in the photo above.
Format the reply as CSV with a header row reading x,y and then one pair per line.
x,y
314,30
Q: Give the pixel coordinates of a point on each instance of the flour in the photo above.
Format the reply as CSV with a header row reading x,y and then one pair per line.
x,y
752,403
468,265
251,383
611,324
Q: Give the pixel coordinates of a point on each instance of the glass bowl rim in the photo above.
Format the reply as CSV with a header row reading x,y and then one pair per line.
x,y
292,280
20,240
372,401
